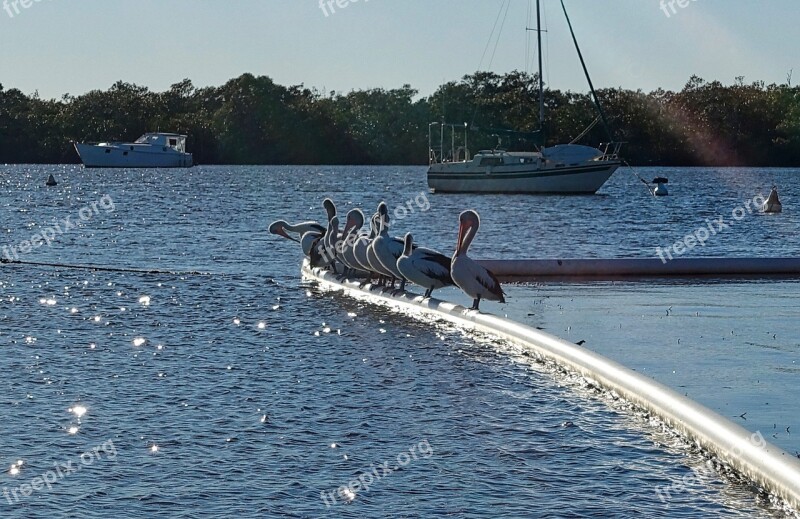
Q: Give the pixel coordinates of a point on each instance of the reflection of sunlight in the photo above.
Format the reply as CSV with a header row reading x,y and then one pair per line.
x,y
139,341
144,300
78,410
73,430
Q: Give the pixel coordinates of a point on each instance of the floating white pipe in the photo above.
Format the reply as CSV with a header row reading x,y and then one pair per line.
x,y
766,465
520,270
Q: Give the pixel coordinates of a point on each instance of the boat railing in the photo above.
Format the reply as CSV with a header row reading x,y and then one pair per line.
x,y
439,152
610,150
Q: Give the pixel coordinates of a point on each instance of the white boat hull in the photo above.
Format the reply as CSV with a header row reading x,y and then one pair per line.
x,y
132,156
465,177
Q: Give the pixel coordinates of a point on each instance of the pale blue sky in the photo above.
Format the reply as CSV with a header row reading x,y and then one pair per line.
x,y
72,46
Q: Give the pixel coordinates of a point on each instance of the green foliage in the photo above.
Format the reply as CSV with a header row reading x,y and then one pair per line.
x,y
252,120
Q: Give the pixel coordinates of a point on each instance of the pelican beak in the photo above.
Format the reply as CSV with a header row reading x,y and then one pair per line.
x,y
461,229
283,233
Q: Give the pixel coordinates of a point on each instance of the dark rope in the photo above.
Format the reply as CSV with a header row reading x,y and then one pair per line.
x,y
105,269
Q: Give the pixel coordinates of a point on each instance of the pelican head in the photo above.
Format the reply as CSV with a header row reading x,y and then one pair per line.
x,y
355,220
469,222
408,244
279,228
383,217
330,208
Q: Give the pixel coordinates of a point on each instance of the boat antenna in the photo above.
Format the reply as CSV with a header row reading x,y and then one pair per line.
x,y
588,78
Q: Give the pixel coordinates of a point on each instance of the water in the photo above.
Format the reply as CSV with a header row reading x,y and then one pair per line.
x,y
242,391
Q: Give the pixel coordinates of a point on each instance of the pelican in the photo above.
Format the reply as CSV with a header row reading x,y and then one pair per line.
x,y
351,236
425,267
283,228
386,249
320,253
330,243
473,279
360,247
307,231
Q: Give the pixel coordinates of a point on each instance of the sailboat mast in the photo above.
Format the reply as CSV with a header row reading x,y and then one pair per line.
x,y
588,78
541,78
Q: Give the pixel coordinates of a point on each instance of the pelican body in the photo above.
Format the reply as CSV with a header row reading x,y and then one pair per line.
x,y
476,281
350,238
386,250
424,267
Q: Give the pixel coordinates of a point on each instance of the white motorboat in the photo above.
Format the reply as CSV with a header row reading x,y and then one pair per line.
x,y
151,150
565,168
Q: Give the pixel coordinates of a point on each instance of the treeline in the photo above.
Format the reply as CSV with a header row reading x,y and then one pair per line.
x,y
253,120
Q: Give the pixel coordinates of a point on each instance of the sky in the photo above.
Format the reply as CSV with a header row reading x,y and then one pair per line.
x,y
57,47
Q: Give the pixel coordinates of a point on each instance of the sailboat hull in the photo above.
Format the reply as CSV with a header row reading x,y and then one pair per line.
x,y
465,178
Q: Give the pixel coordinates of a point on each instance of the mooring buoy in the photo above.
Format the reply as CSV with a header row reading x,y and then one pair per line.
x,y
661,188
773,203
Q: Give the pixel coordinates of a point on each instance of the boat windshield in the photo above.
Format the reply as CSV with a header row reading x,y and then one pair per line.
x,y
145,138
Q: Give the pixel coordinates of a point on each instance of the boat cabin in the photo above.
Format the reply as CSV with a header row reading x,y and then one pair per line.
x,y
170,140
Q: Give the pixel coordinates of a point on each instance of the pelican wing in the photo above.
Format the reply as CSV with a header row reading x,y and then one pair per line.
x,y
492,285
432,264
475,280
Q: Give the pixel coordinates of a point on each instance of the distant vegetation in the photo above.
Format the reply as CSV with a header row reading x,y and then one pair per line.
x,y
252,120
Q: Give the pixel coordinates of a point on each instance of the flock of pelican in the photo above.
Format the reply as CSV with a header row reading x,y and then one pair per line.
x,y
374,253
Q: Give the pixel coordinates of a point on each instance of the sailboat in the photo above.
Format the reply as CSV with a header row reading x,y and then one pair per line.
x,y
563,168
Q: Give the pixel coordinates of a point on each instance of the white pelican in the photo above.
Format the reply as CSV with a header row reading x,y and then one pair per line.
x,y
362,244
351,236
331,241
386,249
323,249
308,232
425,267
473,279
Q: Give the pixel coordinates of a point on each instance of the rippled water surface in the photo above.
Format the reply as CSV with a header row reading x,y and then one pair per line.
x,y
223,385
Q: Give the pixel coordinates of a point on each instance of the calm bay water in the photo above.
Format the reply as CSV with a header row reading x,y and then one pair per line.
x,y
243,391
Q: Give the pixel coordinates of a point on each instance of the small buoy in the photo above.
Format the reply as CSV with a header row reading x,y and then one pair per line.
x,y
773,203
51,181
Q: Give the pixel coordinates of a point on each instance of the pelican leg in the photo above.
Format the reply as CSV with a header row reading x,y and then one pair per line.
x,y
401,289
476,303
428,293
